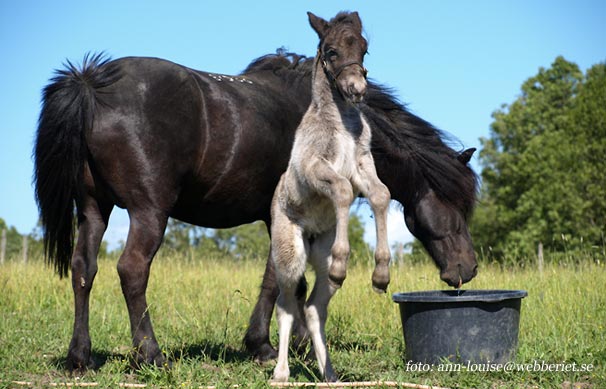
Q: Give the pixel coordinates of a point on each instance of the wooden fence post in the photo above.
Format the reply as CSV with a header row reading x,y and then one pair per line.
x,y
24,248
2,246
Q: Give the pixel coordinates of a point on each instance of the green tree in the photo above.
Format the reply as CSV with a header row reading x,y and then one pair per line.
x,y
543,167
250,241
14,240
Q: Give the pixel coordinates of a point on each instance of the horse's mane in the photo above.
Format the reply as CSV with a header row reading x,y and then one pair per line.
x,y
423,146
280,61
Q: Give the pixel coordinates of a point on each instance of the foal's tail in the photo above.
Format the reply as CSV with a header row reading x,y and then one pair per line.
x,y
68,106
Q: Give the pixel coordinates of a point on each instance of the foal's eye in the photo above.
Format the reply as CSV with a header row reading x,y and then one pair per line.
x,y
331,54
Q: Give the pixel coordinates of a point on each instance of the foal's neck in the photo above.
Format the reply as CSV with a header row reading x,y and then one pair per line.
x,y
325,94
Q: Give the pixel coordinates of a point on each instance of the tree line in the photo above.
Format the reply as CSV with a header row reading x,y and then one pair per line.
x,y
247,242
544,168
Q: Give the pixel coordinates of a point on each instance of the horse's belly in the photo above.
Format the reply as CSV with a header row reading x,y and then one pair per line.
x,y
320,218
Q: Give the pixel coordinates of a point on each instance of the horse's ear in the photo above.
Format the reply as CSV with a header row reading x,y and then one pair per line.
x,y
318,24
466,155
357,22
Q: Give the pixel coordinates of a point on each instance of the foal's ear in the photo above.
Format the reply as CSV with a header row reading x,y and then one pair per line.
x,y
318,24
356,21
466,155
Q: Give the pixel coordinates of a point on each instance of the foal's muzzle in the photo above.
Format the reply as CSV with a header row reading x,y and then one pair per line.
x,y
351,83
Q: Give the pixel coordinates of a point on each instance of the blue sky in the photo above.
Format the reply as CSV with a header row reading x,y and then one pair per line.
x,y
452,62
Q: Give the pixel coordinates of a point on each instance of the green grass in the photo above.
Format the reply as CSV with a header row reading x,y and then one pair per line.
x,y
200,311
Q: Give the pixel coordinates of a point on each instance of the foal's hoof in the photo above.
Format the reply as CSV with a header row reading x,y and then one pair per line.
x,y
380,280
379,290
335,284
337,273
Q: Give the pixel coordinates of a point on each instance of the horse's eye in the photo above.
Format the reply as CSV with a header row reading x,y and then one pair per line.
x,y
331,54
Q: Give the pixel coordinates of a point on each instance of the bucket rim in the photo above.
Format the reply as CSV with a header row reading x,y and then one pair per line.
x,y
455,296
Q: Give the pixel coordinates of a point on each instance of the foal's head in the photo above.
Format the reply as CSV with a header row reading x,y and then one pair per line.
x,y
341,52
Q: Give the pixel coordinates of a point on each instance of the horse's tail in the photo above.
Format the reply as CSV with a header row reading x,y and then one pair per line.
x,y
68,106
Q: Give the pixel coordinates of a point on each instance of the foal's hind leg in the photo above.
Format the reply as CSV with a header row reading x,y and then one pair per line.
x,y
316,308
289,253
92,224
144,237
256,339
378,196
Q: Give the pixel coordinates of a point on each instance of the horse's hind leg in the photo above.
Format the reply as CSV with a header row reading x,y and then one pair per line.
x,y
144,237
92,224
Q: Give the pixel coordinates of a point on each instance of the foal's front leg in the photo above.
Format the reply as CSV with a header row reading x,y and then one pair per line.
x,y
378,196
338,189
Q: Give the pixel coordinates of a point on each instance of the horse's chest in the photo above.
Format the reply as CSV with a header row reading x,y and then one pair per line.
x,y
343,158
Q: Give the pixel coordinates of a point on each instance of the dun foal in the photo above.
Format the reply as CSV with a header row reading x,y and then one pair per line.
x,y
330,165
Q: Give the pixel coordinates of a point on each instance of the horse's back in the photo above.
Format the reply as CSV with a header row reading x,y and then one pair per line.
x,y
188,142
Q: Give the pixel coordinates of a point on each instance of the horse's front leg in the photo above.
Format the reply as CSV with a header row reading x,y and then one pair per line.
x,y
340,192
144,237
93,223
379,197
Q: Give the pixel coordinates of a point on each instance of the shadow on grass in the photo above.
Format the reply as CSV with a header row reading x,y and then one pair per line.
x,y
300,365
98,357
216,354
214,351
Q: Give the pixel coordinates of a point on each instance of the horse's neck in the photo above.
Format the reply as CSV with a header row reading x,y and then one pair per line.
x,y
323,93
327,101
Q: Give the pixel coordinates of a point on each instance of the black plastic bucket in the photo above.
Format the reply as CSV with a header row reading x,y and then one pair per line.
x,y
460,325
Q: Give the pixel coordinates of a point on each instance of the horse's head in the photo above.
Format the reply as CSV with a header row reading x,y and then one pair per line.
x,y
442,229
341,52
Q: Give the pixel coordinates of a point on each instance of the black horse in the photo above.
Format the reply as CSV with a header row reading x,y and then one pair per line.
x,y
160,139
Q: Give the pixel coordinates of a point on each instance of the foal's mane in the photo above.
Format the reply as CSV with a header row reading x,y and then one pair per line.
x,y
411,139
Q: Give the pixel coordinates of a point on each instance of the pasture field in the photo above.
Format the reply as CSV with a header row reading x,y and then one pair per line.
x,y
200,310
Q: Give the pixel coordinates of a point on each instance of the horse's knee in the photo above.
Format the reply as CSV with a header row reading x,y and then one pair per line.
x,y
343,194
380,198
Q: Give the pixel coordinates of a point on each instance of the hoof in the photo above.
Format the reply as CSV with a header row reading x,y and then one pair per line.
x,y
158,360
337,273
281,374
78,358
379,290
265,354
78,366
335,284
380,279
